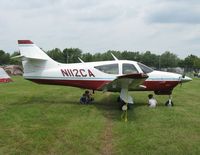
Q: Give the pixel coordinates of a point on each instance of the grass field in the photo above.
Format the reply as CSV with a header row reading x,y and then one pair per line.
x,y
43,119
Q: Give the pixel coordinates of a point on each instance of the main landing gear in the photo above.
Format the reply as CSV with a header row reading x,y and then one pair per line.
x,y
123,104
125,100
124,107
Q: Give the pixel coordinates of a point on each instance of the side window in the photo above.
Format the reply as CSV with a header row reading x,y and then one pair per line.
x,y
129,69
109,69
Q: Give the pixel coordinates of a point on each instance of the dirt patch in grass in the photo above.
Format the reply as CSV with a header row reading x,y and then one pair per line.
x,y
107,137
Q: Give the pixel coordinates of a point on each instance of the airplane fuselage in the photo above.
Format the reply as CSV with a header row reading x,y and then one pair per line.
x,y
115,76
96,75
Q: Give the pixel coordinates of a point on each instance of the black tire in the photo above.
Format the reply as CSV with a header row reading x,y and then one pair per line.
x,y
119,99
122,103
167,103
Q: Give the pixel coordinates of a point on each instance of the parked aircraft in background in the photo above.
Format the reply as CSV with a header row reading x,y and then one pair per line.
x,y
4,77
114,76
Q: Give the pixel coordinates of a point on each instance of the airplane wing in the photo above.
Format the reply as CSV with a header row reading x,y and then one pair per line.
x,y
128,81
4,77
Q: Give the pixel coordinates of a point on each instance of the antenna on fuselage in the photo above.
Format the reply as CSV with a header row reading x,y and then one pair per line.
x,y
114,57
81,60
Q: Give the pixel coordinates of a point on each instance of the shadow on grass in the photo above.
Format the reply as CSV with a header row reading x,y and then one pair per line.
x,y
107,104
111,109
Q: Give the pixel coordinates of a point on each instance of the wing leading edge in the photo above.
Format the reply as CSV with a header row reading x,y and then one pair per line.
x,y
127,81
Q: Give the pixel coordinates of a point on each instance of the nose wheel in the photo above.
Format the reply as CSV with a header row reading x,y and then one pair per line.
x,y
169,102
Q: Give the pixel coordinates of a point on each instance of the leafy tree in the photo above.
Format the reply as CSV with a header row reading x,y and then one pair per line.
x,y
106,56
71,55
169,59
127,55
150,59
117,54
15,61
56,54
87,57
192,62
4,58
97,57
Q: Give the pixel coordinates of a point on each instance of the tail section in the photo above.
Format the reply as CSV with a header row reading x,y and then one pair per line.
x,y
34,60
29,50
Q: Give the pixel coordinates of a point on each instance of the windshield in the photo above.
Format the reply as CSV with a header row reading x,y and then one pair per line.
x,y
144,68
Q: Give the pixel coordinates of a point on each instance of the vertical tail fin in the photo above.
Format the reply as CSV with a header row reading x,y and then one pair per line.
x,y
29,50
34,60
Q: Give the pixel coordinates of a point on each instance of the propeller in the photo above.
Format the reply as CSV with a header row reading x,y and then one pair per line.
x,y
180,79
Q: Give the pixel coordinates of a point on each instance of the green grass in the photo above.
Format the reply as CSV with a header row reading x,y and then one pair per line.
x,y
43,119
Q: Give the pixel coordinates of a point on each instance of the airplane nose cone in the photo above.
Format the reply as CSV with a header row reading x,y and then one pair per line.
x,y
186,79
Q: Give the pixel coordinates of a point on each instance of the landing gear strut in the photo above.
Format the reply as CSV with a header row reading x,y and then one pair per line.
x,y
169,103
124,115
125,99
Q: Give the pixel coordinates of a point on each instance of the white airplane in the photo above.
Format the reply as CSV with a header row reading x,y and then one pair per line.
x,y
4,77
114,76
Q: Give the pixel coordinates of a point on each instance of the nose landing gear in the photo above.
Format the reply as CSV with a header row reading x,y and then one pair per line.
x,y
169,103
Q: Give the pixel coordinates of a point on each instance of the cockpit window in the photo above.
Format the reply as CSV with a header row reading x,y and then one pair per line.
x,y
144,68
109,69
129,69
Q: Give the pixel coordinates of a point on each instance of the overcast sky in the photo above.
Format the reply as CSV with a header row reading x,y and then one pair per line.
x,y
101,25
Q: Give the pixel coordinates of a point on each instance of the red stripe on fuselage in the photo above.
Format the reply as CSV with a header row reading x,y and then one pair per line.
x,y
160,85
97,85
94,85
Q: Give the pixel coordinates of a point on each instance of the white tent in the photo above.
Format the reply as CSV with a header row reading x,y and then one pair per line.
x,y
4,77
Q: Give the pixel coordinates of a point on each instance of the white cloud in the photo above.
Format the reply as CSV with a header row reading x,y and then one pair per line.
x,y
97,26
175,12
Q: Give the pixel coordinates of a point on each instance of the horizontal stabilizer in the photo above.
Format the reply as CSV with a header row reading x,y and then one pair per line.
x,y
21,57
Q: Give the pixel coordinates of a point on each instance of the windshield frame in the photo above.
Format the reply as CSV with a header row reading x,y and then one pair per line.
x,y
145,69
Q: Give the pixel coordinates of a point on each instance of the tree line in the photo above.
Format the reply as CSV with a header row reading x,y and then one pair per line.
x,y
71,55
